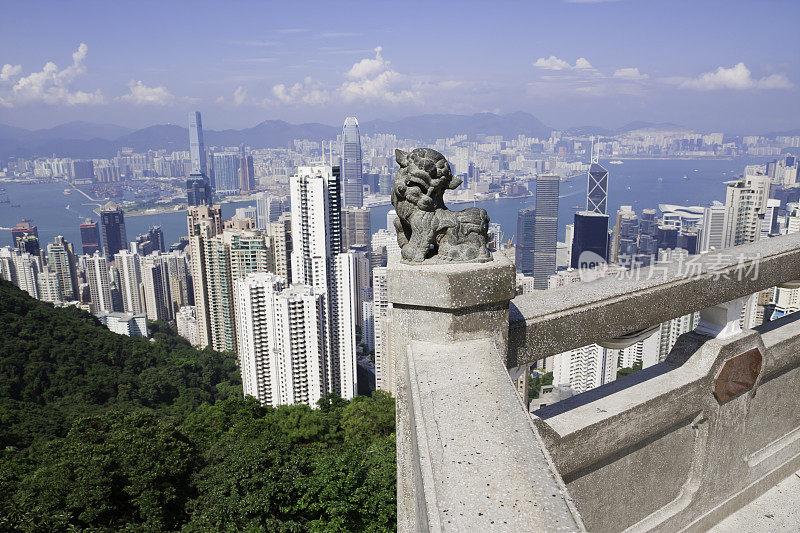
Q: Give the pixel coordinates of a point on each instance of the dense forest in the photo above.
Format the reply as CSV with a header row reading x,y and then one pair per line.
x,y
103,432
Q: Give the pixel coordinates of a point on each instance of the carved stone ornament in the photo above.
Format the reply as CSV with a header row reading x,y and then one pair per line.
x,y
427,231
737,375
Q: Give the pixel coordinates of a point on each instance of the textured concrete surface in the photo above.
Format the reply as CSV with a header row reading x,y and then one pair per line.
x,y
553,321
778,509
452,285
678,459
469,456
482,464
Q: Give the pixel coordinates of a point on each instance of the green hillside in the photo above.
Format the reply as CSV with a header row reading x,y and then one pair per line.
x,y
104,432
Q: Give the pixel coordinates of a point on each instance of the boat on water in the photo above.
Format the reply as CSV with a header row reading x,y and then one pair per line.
x,y
685,177
629,187
66,192
576,207
615,162
660,179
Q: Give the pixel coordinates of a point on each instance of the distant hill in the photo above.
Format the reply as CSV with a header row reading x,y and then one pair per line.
x,y
651,126
12,132
80,130
787,133
429,127
85,139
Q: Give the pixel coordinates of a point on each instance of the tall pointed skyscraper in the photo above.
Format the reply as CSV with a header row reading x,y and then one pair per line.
x,y
197,147
198,189
351,164
597,189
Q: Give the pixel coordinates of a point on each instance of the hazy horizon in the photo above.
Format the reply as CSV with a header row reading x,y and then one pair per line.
x,y
569,63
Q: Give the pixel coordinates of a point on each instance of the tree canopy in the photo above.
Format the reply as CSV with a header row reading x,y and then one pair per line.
x,y
103,432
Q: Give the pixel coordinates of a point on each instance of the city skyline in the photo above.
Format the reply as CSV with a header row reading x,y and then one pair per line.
x,y
332,65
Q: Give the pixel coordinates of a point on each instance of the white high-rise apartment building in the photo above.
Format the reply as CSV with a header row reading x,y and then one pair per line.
x,y
317,262
99,284
280,339
712,234
585,368
130,281
381,312
8,271
49,289
61,259
26,271
187,324
745,208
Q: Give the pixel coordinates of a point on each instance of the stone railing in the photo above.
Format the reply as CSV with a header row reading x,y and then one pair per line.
x,y
679,445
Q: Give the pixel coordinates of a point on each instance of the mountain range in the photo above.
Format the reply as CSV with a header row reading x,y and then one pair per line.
x,y
89,140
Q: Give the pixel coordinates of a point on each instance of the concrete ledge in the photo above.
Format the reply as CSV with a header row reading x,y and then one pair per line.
x,y
452,285
550,322
479,462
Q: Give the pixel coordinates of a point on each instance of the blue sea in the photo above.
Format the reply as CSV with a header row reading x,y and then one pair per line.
x,y
635,182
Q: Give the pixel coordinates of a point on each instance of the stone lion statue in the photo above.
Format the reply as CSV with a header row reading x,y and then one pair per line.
x,y
426,230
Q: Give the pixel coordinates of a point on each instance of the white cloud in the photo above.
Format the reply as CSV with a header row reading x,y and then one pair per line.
x,y
51,85
9,71
551,63
554,63
369,67
738,77
374,79
308,92
141,94
630,73
239,95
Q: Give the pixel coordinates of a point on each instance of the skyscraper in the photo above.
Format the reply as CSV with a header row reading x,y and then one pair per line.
x,y
247,178
112,220
90,237
198,188
197,147
526,235
156,287
317,261
351,164
226,172
745,208
597,187
25,237
130,279
590,240
99,284
545,230
626,236
61,260
280,338
356,231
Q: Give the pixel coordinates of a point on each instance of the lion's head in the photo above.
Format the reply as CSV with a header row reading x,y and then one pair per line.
x,y
423,177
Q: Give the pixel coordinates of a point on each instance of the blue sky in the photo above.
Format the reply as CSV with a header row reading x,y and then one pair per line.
x,y
723,65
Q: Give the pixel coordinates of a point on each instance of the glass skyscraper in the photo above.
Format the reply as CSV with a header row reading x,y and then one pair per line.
x,y
351,164
112,220
198,189
597,190
523,254
590,241
546,230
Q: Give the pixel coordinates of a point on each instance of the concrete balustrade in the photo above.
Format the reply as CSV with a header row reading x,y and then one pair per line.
x,y
469,456
677,446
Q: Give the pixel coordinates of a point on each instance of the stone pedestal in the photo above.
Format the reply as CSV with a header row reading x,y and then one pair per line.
x,y
443,303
